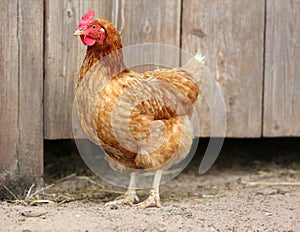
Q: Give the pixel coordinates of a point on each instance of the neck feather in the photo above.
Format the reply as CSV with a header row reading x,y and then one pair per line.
x,y
110,57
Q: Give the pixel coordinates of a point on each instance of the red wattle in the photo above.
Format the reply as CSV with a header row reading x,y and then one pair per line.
x,y
89,41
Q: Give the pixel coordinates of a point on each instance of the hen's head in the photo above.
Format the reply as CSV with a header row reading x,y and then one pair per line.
x,y
94,31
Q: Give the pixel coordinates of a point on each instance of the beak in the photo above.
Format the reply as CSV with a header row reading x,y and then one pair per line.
x,y
79,32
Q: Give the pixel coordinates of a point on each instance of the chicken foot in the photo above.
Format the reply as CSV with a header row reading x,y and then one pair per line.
x,y
130,197
153,199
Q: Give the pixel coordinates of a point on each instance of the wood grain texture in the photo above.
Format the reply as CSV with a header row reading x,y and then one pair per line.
x,y
21,68
63,57
282,69
230,35
31,23
145,21
9,90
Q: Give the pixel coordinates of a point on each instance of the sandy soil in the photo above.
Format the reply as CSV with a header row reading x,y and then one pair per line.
x,y
248,189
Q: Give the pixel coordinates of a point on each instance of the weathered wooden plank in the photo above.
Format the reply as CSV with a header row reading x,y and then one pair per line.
x,y
31,21
21,75
148,21
282,69
143,21
63,57
230,35
9,90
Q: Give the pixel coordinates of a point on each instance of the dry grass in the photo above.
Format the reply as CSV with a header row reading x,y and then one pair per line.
x,y
53,194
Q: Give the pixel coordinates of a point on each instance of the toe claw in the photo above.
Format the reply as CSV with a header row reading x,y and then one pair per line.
x,y
127,199
152,201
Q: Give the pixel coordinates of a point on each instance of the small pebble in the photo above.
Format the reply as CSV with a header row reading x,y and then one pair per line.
x,y
114,207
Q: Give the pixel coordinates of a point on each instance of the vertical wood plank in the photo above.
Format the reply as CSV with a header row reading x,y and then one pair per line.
x,y
21,75
9,89
63,57
145,21
31,22
230,35
282,69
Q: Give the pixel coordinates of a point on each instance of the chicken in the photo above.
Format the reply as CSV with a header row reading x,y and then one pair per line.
x,y
141,120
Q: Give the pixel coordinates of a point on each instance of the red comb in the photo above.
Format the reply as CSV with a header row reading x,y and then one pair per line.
x,y
87,17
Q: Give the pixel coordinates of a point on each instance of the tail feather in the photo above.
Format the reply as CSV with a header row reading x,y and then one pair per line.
x,y
200,58
196,67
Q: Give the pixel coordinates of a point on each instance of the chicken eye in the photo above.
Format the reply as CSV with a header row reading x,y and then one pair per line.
x,y
94,27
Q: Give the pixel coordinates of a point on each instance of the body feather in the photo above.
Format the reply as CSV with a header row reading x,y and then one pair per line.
x,y
141,120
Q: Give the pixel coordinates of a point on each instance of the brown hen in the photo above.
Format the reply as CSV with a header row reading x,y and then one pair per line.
x,y
141,120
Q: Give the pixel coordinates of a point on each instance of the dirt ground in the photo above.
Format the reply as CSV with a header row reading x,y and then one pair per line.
x,y
253,186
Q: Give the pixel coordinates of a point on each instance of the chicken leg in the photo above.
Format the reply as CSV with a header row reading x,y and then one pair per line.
x,y
130,197
153,199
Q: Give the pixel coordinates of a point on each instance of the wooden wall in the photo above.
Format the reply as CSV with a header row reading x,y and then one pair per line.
x,y
252,49
21,78
239,39
231,36
281,109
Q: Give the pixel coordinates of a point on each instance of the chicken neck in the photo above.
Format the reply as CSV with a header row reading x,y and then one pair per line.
x,y
109,57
